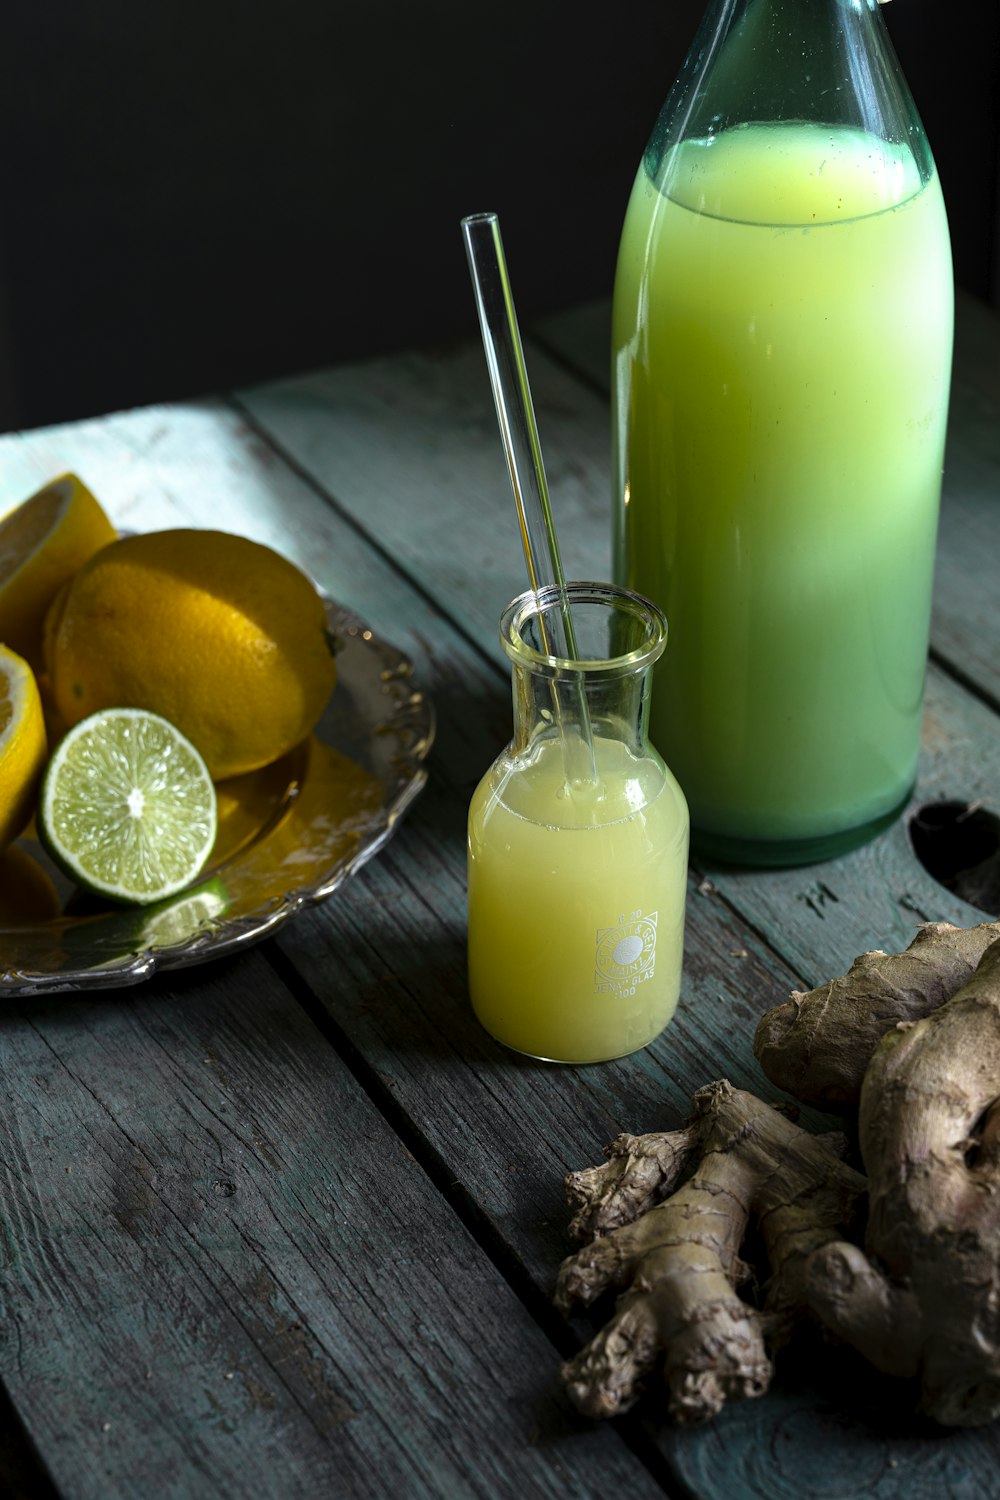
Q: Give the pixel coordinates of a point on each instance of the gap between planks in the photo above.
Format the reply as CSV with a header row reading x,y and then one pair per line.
x,y
631,1429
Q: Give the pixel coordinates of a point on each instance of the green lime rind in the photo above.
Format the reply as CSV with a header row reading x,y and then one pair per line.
x,y
127,807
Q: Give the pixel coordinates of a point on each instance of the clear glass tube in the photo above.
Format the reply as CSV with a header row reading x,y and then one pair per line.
x,y
519,435
516,415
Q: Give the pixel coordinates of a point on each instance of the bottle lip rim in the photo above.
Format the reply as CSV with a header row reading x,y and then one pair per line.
x,y
531,603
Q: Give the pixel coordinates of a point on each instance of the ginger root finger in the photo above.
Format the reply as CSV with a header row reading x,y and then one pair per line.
x,y
700,1228
853,1300
711,1344
640,1172
606,1377
682,1259
818,1044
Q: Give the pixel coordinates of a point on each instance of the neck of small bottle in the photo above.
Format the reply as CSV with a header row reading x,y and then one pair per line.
x,y
546,705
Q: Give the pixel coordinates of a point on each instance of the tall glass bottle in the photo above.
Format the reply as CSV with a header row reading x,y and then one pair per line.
x,y
781,363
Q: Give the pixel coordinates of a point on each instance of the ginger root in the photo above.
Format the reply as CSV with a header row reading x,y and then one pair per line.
x,y
669,1213
818,1044
924,1299
680,1257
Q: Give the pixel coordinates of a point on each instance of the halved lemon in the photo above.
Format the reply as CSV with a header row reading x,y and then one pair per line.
x,y
221,635
23,744
127,807
42,544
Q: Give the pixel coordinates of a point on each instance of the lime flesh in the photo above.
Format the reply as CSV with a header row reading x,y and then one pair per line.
x,y
127,806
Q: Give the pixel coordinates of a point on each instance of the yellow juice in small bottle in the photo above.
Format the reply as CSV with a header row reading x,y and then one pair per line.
x,y
578,855
576,903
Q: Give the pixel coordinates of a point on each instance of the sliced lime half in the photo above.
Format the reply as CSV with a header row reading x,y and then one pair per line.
x,y
127,807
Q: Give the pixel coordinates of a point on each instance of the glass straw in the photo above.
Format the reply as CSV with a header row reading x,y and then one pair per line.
x,y
519,435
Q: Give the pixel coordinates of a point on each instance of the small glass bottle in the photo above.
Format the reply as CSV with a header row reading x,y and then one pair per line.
x,y
781,362
578,837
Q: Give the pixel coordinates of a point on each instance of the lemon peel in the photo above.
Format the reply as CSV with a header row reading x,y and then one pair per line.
x,y
43,542
221,635
23,744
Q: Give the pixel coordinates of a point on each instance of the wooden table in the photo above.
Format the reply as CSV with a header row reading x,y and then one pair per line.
x,y
287,1224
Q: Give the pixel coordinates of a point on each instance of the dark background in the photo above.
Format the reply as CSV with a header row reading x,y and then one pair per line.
x,y
196,196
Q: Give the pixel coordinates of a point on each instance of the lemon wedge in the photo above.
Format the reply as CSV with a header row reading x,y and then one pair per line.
x,y
43,542
23,744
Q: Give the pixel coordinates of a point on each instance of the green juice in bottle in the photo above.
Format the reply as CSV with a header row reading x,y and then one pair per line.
x,y
781,360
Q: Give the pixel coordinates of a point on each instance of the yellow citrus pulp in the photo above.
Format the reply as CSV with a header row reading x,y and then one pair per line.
x,y
42,544
218,634
22,744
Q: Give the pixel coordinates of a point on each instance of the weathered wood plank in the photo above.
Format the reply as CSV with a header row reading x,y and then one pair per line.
x,y
386,957
711,1034
219,1261
392,974
834,1431
194,462
208,467
968,561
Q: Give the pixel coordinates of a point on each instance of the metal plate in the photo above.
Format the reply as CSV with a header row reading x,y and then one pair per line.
x,y
289,836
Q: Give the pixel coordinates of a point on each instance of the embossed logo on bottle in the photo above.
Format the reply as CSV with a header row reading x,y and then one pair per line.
x,y
626,953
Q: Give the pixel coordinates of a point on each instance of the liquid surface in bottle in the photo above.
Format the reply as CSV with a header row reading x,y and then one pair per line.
x,y
576,902
782,342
